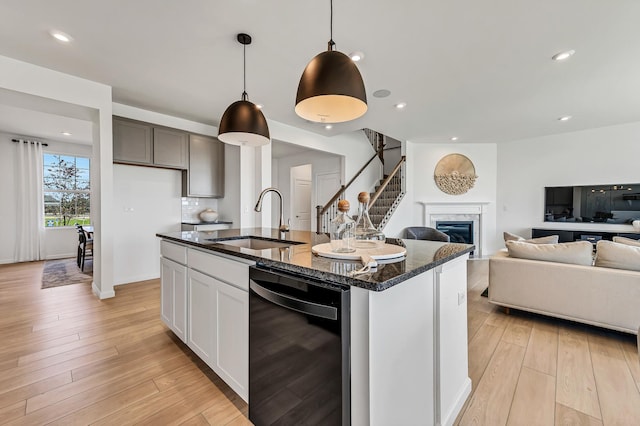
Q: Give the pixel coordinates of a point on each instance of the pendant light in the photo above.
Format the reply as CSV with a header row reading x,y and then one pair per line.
x,y
331,89
243,123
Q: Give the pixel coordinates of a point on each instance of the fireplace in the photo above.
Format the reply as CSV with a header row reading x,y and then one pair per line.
x,y
459,231
468,218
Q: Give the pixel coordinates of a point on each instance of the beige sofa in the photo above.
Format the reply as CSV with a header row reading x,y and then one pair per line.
x,y
604,297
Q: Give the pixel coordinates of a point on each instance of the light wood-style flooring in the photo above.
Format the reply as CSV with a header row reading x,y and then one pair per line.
x,y
529,370
69,358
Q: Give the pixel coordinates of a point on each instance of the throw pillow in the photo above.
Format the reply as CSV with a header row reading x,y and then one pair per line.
x,y
627,241
508,236
577,252
618,256
550,239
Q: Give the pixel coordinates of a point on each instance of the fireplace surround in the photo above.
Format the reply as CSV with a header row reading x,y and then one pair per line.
x,y
472,212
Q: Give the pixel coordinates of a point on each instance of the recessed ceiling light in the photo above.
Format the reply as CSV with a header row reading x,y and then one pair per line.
x,y
328,127
382,93
60,36
563,55
356,56
401,105
455,138
67,133
565,118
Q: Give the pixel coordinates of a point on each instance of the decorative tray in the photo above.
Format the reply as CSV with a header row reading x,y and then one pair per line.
x,y
387,251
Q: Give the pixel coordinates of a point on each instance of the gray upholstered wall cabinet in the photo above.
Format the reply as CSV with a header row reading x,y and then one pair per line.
x,y
136,142
205,176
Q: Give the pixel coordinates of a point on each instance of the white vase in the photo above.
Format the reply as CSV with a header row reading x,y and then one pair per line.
x,y
636,225
208,215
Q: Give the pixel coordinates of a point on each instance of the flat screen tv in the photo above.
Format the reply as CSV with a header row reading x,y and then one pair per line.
x,y
616,204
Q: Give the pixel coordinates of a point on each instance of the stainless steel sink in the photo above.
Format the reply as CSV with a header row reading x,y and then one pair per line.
x,y
255,243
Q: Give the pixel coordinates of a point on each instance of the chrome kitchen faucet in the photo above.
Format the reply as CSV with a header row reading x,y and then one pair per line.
x,y
281,226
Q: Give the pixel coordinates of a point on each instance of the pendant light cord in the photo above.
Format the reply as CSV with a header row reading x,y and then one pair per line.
x,y
244,73
331,44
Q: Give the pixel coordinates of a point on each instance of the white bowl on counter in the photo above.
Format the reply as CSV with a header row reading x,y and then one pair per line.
x,y
208,215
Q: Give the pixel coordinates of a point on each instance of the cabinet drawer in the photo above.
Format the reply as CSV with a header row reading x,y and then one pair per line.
x,y
227,270
174,252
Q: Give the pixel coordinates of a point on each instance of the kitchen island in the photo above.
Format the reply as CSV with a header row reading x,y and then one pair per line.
x,y
408,328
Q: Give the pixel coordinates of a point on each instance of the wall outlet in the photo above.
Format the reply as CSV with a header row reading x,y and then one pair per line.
x,y
462,296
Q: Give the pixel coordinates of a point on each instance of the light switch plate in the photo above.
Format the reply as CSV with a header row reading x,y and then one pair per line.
x,y
462,296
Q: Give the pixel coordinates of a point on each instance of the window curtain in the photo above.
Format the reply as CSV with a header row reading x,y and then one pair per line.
x,y
30,204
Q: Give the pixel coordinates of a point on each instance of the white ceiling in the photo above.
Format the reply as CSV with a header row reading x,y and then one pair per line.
x,y
35,117
479,70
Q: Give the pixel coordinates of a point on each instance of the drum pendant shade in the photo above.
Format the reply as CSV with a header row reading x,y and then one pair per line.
x,y
242,122
331,89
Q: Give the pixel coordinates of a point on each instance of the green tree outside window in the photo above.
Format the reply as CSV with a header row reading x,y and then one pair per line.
x,y
67,190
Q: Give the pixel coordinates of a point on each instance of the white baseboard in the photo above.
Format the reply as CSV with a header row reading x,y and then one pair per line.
x,y
102,294
464,393
136,278
61,256
50,257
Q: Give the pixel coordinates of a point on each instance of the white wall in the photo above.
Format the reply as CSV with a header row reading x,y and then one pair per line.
x,y
146,201
320,163
59,242
249,181
421,162
229,206
33,80
353,148
8,196
605,155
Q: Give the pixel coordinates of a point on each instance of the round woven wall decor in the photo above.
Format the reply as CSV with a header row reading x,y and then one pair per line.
x,y
455,174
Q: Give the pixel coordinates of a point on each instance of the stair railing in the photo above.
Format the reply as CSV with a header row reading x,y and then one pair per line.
x,y
377,142
325,213
384,184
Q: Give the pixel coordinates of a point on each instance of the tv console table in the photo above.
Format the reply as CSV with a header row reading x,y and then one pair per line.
x,y
565,236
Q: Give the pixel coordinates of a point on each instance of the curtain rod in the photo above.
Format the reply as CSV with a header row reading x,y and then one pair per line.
x,y
27,141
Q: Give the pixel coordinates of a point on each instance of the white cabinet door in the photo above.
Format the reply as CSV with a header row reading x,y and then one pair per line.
x,y
173,296
232,337
201,311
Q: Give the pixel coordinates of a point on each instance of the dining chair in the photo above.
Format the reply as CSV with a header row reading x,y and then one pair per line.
x,y
425,233
84,244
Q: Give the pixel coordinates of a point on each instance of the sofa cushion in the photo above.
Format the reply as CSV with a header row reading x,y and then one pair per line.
x,y
551,239
577,252
627,241
618,256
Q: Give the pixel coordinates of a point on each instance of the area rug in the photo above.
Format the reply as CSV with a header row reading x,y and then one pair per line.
x,y
64,272
485,293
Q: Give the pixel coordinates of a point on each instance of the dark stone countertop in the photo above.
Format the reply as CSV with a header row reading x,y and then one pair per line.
x,y
298,259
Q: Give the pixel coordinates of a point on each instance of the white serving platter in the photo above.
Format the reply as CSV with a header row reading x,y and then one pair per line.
x,y
387,251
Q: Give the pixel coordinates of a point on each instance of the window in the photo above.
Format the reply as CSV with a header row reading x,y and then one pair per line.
x,y
67,190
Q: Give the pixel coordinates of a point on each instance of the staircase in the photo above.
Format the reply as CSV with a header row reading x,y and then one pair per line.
x,y
387,201
384,200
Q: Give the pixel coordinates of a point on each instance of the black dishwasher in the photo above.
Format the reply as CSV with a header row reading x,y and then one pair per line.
x,y
298,350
